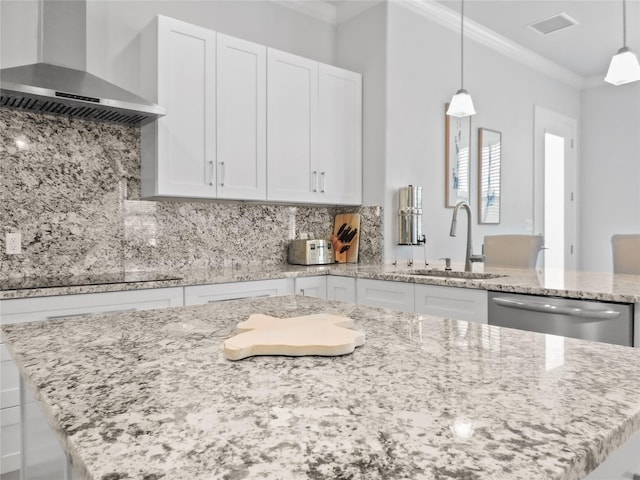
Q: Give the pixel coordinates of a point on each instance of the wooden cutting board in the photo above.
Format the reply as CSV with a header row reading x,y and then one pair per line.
x,y
320,334
346,237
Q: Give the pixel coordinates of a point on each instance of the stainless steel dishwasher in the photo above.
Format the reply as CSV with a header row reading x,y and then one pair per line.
x,y
585,319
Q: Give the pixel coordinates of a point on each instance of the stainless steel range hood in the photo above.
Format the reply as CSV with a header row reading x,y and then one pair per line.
x,y
52,89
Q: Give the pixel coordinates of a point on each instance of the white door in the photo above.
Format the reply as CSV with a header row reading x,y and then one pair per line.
x,y
340,135
241,122
186,88
292,120
555,214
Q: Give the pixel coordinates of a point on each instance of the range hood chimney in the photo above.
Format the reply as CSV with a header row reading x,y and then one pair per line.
x,y
58,83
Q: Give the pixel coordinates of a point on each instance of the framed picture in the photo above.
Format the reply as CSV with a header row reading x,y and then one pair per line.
x,y
489,170
457,153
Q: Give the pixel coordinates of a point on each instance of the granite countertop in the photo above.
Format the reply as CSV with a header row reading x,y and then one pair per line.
x,y
148,394
571,284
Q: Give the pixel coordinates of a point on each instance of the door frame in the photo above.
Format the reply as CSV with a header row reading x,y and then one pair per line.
x,y
546,120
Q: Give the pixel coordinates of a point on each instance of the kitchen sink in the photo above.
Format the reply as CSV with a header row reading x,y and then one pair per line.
x,y
451,274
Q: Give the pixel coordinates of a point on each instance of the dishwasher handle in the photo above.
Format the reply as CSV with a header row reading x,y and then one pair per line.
x,y
556,309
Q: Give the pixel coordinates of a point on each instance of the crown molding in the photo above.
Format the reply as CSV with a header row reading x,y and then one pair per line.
x,y
314,8
449,19
350,9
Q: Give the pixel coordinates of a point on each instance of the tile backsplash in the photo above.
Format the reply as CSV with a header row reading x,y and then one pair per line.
x,y
72,188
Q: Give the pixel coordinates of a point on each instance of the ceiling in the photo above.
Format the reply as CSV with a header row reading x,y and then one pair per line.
x,y
585,49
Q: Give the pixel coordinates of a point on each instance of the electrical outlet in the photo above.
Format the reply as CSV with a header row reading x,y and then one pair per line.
x,y
13,243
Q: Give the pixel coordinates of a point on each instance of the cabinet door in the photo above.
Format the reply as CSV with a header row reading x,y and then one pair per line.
x,y
241,121
9,439
186,88
199,294
341,288
312,286
340,135
458,303
380,293
292,118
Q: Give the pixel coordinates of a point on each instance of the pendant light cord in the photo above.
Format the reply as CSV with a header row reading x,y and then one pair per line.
x,y
624,23
461,44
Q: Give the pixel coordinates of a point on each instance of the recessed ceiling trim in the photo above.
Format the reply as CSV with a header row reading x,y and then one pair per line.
x,y
487,37
554,23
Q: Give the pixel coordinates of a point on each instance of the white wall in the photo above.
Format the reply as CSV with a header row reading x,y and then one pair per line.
x,y
113,26
423,72
610,170
361,46
18,32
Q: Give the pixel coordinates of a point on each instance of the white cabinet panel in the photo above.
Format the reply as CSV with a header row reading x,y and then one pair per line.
x,y
341,288
459,303
199,294
241,90
622,464
292,119
312,286
380,293
10,383
10,439
49,308
340,135
178,150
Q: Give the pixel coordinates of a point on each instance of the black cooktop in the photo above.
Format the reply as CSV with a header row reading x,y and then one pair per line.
x,y
20,283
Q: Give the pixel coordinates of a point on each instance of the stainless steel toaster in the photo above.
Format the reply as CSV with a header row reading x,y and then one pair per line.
x,y
310,252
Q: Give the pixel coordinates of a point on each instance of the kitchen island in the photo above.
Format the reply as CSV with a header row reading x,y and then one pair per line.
x,y
149,395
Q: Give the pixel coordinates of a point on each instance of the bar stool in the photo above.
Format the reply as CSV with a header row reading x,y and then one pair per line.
x,y
514,251
626,253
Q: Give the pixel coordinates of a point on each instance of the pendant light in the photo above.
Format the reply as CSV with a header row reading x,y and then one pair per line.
x,y
461,104
624,67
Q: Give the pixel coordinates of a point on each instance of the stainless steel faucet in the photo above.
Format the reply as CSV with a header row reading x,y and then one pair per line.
x,y
469,257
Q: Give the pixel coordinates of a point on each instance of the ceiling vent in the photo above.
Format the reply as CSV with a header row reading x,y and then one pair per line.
x,y
557,22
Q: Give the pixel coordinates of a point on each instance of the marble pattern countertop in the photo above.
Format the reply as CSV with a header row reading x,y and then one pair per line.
x,y
605,287
148,394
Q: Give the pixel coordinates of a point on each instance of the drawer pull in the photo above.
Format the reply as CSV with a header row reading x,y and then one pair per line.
x,y
69,315
239,298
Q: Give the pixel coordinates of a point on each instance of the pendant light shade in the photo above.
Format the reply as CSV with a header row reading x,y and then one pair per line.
x,y
624,66
461,104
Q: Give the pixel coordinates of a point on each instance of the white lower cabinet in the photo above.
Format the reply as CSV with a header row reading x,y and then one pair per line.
x,y
386,294
341,288
199,294
43,457
312,286
466,304
622,464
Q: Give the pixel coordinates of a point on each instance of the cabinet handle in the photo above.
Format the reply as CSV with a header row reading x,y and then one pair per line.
x,y
222,174
69,315
211,174
314,182
322,176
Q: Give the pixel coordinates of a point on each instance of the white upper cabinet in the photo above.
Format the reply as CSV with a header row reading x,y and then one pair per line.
x,y
178,150
292,126
245,122
314,131
340,135
241,84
